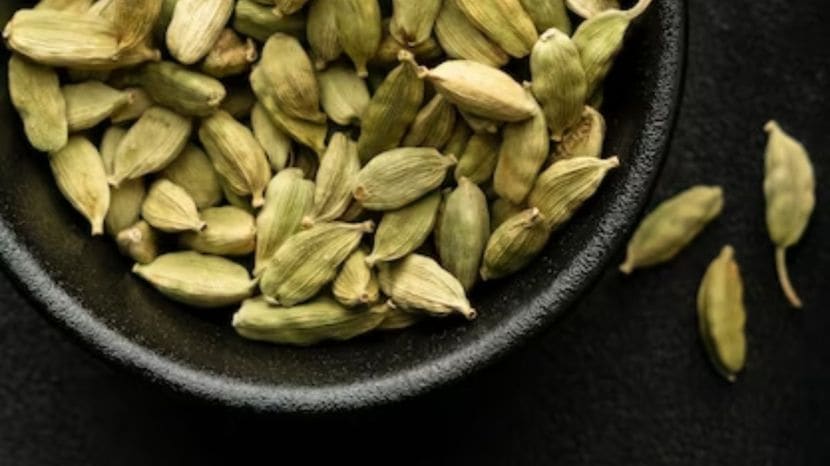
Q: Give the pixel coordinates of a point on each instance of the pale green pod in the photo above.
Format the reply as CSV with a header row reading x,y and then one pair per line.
x,y
392,109
71,6
90,103
240,101
525,147
193,171
109,146
287,7
559,81
548,14
260,22
514,244
433,126
322,33
418,283
180,89
590,8
80,176
585,139
722,315
125,205
458,140
356,284
412,22
461,39
309,260
138,242
478,162
198,280
336,179
464,231
397,318
288,200
236,155
306,324
230,55
501,210
390,49
505,22
36,95
139,101
288,68
359,26
399,177
343,94
228,232
480,125
789,187
169,208
133,19
195,27
154,141
401,232
672,226
599,41
274,141
562,189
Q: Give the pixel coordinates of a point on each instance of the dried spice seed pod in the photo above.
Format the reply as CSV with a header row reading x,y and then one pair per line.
x,y
80,176
195,27
464,231
505,22
193,171
230,55
138,242
125,205
336,179
585,139
36,95
258,21
133,19
343,94
356,284
599,41
170,209
90,103
461,39
359,26
322,33
178,88
433,126
109,146
274,141
478,162
294,87
228,232
412,22
138,102
548,14
559,81
401,232
516,242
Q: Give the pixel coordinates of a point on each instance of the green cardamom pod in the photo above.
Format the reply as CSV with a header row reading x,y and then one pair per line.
x,y
391,110
230,55
464,231
228,232
390,49
599,41
412,22
109,146
401,232
90,103
505,22
397,318
80,176
288,199
274,141
195,27
459,138
514,244
154,141
336,179
461,39
170,209
36,95
479,159
722,315
287,7
193,171
309,260
138,102
562,189
789,187
343,94
236,155
433,125
398,177
125,205
180,89
322,33
133,19
524,149
356,284
359,27
590,8
559,81
198,280
672,226
585,139
72,6
138,242
240,101
293,84
260,22
419,283
306,324
548,14
501,210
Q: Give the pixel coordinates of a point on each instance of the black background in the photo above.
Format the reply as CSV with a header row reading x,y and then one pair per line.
x,y
621,380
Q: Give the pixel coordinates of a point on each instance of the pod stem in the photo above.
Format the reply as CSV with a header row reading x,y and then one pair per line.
x,y
784,278
638,9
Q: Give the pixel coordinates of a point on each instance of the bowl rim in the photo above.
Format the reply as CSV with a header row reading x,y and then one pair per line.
x,y
56,305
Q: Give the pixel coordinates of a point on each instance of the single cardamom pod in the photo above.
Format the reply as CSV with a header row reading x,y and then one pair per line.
x,y
461,39
501,210
309,260
170,209
294,86
412,22
514,244
524,149
390,49
228,232
180,89
336,179
90,103
505,22
125,205
479,159
80,176
343,94
391,110
71,6
322,33
559,81
419,283
306,324
672,226
548,14
240,101
401,232
397,318
193,171
138,242
230,56
480,90
289,198
399,177
287,7
585,139
459,138
599,41
36,95
480,125
464,231
138,102
722,315
589,8
356,284
433,125
236,155
150,145
789,187
133,19
565,186
359,26
197,280
195,27
109,146
260,22
274,141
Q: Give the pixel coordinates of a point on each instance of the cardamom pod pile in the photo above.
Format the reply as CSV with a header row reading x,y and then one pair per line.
x,y
334,167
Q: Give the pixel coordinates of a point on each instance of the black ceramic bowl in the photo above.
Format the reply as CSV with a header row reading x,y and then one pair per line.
x,y
86,287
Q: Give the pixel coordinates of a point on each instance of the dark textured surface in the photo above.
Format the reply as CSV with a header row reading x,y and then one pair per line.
x,y
621,381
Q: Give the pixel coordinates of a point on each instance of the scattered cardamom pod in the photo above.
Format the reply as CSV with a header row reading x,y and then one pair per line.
x,y
397,318
412,22
138,242
274,141
505,22
193,171
336,179
36,95
356,284
599,41
170,209
584,139
589,8
80,176
433,125
228,232
461,39
500,210
464,231
722,316
322,33
548,14
287,7
516,242
197,280
195,27
90,103
390,49
789,186
178,88
479,159
125,205
230,55
559,81
109,146
294,85
139,101
401,232
343,94
672,226
359,27
260,22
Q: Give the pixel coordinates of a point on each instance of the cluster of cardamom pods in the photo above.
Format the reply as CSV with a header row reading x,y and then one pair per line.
x,y
334,166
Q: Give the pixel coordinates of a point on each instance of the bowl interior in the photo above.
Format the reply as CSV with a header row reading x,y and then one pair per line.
x,y
87,287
